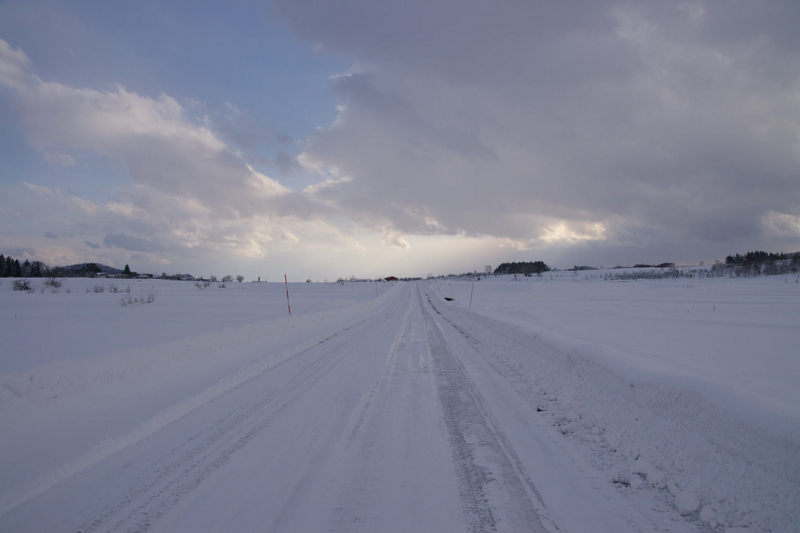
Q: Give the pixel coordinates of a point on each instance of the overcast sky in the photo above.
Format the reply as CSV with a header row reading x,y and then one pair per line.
x,y
374,138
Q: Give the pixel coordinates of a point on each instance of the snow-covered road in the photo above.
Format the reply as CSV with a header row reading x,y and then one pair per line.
x,y
392,422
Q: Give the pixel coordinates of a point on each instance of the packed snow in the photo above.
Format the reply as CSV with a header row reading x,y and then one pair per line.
x,y
686,387
561,402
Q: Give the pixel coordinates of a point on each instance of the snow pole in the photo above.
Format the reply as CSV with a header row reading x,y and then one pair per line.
x,y
288,304
376,289
470,293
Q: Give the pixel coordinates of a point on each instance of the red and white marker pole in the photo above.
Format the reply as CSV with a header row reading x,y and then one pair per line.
x,y
288,304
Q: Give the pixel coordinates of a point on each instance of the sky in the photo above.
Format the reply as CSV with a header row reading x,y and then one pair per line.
x,y
374,138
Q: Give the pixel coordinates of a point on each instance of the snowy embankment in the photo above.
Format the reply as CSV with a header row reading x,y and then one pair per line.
x,y
78,367
681,390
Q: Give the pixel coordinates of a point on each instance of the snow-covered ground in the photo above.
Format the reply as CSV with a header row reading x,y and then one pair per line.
x,y
556,403
685,388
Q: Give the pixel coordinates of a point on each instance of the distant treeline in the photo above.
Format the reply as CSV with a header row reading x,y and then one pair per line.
x,y
525,268
642,265
750,264
12,268
750,258
759,263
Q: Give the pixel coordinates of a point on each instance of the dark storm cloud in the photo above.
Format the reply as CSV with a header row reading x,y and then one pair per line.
x,y
652,122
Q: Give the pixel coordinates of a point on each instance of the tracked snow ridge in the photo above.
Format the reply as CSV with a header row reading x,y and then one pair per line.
x,y
483,456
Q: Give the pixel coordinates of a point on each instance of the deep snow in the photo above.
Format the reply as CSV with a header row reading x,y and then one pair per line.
x,y
678,396
686,388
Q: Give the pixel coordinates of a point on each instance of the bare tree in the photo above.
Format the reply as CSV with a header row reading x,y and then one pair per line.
x,y
487,269
226,279
240,278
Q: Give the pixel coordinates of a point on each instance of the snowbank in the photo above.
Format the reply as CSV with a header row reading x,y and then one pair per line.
x,y
685,388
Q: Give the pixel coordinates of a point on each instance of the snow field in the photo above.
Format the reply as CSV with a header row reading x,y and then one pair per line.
x,y
697,406
185,349
567,400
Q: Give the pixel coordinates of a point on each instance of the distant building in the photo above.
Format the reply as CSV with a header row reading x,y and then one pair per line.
x,y
391,278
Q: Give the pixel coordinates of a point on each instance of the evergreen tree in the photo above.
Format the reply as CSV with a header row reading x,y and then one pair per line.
x,y
2,266
526,268
26,269
127,270
17,269
9,267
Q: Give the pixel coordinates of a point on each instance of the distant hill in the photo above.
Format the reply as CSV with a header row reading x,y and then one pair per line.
x,y
86,269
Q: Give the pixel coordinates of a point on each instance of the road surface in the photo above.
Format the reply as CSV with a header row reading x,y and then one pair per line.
x,y
394,423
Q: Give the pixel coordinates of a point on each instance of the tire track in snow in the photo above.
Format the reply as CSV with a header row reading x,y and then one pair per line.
x,y
491,476
111,446
389,368
356,509
360,416
185,467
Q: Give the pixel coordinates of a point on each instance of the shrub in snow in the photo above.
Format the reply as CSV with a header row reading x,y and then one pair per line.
x,y
98,289
129,300
21,285
53,282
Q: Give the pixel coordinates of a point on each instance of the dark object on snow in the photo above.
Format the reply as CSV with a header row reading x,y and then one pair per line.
x,y
448,299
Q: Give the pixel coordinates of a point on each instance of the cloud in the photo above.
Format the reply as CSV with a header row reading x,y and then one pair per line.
x,y
161,148
43,190
134,244
92,245
392,239
566,131
191,193
287,164
63,160
13,65
622,124
239,127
